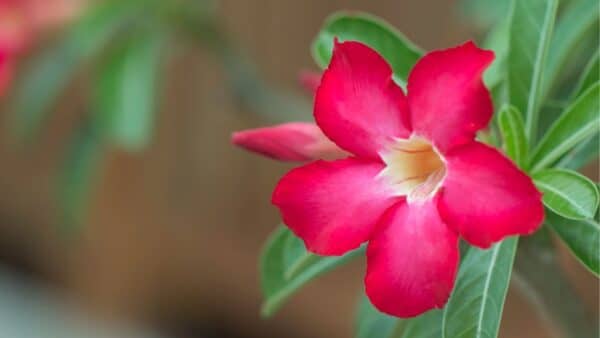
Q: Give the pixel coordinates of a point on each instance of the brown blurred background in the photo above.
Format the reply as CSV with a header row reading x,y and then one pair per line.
x,y
173,234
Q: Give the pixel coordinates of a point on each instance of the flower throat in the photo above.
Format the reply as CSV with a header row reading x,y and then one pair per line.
x,y
414,167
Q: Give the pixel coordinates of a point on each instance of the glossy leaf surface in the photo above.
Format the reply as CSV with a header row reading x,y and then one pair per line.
x,y
576,124
475,306
512,128
568,193
582,238
530,33
376,33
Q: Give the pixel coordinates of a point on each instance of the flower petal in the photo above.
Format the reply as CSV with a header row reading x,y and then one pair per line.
x,y
485,197
446,95
15,29
333,206
63,11
295,141
6,72
412,260
358,105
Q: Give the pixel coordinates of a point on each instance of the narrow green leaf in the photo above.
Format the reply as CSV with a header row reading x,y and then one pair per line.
x,y
296,258
370,323
582,238
376,33
589,149
49,73
277,283
582,154
590,75
127,90
474,309
577,123
497,40
513,133
532,22
77,176
568,193
578,19
427,325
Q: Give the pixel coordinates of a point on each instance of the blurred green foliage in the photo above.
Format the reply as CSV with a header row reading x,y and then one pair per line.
x,y
124,45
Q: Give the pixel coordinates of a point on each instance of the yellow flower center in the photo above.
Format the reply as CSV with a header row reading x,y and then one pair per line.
x,y
414,167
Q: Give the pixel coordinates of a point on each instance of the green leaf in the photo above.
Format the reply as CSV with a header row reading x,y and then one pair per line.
x,y
578,19
590,75
49,73
568,193
582,238
84,156
127,90
376,33
427,325
296,258
484,13
474,309
577,123
589,149
531,27
278,283
513,133
497,40
370,323
582,154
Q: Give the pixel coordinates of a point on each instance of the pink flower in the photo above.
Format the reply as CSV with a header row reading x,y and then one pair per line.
x,y
50,14
294,141
21,21
6,71
15,32
416,180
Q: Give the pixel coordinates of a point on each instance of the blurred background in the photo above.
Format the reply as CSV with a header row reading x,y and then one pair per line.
x,y
159,235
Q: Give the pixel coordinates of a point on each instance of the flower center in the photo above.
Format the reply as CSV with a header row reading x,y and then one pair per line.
x,y
414,167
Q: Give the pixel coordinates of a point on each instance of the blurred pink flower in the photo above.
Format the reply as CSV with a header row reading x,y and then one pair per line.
x,y
51,14
22,22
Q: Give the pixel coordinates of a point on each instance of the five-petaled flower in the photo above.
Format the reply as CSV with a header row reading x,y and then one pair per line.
x,y
409,177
